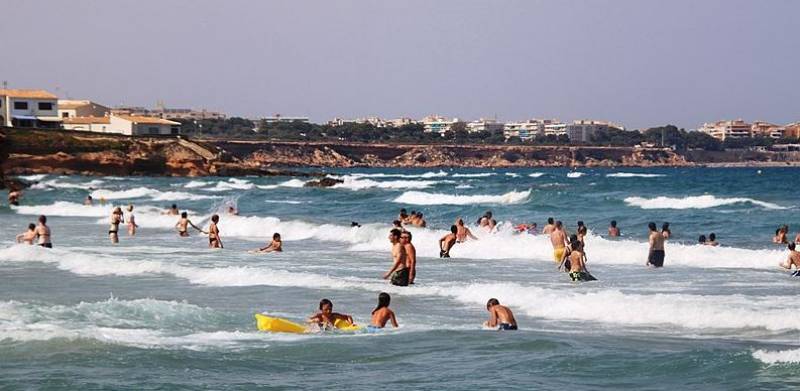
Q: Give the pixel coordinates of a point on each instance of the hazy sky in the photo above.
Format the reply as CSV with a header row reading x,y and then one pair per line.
x,y
640,63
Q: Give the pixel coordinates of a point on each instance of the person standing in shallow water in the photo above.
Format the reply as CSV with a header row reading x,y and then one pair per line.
x,y
399,271
447,242
183,225
558,238
43,233
411,255
613,230
113,229
214,240
792,260
131,222
655,257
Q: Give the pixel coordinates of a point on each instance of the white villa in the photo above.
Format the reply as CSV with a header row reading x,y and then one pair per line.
x,y
28,109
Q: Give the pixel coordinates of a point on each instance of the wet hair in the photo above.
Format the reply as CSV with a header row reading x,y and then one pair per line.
x,y
130,208
665,227
576,245
419,214
550,220
790,246
397,223
383,301
184,214
558,224
31,226
652,226
403,211
573,238
488,214
460,221
89,197
614,223
43,219
494,222
413,212
395,233
491,303
174,206
712,237
580,223
701,239
276,236
323,302
453,229
583,230
407,233
215,218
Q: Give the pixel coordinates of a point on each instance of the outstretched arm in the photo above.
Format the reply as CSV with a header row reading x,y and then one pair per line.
x,y
393,319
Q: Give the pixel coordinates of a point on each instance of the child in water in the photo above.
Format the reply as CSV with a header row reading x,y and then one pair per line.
x,y
275,246
500,316
382,314
326,318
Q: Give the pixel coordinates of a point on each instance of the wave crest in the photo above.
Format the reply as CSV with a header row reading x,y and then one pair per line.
x,y
695,202
422,198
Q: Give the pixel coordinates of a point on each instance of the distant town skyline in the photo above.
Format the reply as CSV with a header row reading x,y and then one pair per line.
x,y
639,63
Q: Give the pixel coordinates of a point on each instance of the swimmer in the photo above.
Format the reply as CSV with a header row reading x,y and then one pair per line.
x,y
13,197
131,222
491,226
399,270
275,246
43,233
214,241
549,227
613,230
382,314
665,231
712,240
355,224
792,260
326,318
183,225
28,236
558,238
113,229
89,201
173,211
447,242
701,240
397,224
421,220
500,316
485,219
582,231
411,255
403,215
232,211
656,254
780,235
463,232
577,263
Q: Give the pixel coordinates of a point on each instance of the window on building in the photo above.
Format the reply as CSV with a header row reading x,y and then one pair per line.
x,y
45,106
65,115
20,105
153,130
175,130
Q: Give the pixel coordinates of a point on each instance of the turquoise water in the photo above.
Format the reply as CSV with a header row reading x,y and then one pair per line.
x,y
161,312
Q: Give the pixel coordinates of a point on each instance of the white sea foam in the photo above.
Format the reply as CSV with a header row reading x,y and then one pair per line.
x,y
778,357
535,174
142,192
574,174
633,175
292,183
513,175
63,208
464,186
695,202
356,183
479,175
195,184
293,202
32,178
56,184
422,198
426,175
231,184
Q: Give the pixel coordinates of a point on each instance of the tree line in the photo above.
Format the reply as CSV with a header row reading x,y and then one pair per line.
x,y
666,136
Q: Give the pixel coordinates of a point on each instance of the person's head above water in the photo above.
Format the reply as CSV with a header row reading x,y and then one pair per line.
x,y
394,235
403,211
130,208
712,237
326,306
550,220
215,218
88,197
31,227
184,214
573,238
460,221
491,303
43,219
701,239
558,224
453,229
174,206
580,223
575,245
383,301
397,223
488,214
276,236
665,227
791,246
614,223
652,226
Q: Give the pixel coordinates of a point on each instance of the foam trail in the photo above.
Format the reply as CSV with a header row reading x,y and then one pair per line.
x,y
633,175
778,357
196,184
480,175
56,184
141,192
32,178
574,175
292,183
535,174
421,198
695,202
231,184
430,174
513,175
354,183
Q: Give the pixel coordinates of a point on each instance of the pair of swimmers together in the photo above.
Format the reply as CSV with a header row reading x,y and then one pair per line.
x,y
214,241
500,316
37,233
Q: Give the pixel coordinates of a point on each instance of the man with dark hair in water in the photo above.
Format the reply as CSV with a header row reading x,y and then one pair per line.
x,y
13,197
500,316
173,211
411,255
793,259
655,257
447,242
399,271
558,238
548,228
613,231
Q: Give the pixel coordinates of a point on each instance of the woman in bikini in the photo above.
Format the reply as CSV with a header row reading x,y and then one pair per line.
x,y
213,233
113,229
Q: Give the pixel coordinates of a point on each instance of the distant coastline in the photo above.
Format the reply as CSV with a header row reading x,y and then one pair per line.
x,y
69,152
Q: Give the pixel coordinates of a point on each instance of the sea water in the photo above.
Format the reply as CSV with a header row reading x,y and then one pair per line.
x,y
158,311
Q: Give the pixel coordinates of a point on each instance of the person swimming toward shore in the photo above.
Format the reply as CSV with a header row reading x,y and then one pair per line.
x,y
274,246
549,227
500,316
14,196
792,260
655,256
613,230
702,240
183,225
382,314
131,221
43,233
399,272
172,211
558,239
89,201
712,240
447,242
214,241
463,232
325,319
113,229
28,236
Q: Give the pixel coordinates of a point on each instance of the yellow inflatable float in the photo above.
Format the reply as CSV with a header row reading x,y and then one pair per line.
x,y
280,325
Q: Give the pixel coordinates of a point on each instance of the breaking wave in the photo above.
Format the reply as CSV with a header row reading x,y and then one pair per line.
x,y
778,357
575,175
422,198
633,175
293,183
695,202
142,192
356,183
